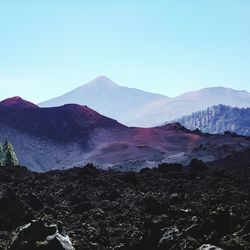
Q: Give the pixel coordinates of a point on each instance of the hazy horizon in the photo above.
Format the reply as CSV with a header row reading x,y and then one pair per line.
x,y
166,47
121,85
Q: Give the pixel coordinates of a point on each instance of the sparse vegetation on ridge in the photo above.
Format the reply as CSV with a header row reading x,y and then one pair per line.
x,y
219,119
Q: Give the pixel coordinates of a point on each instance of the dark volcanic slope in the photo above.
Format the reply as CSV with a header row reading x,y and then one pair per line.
x,y
67,123
15,103
132,211
45,138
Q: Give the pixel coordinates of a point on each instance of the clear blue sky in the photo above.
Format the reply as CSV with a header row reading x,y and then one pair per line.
x,y
48,47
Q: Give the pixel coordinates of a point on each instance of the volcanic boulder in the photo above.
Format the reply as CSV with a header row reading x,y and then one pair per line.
x,y
39,235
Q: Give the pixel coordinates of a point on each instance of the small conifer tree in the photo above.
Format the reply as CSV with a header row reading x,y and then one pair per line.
x,y
8,154
1,153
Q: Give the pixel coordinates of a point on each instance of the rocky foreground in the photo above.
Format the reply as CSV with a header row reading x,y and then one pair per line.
x,y
163,208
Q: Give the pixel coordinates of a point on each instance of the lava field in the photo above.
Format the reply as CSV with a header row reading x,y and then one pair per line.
x,y
160,208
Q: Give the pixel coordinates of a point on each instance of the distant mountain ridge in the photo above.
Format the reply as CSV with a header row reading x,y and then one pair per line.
x,y
72,135
107,98
134,107
219,119
190,102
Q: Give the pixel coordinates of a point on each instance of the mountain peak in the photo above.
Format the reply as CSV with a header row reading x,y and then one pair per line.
x,y
16,102
101,81
103,78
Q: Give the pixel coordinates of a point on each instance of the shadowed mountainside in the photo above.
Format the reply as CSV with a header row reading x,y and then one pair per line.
x,y
70,122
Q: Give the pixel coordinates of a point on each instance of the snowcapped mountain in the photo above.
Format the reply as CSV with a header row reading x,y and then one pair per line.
x,y
71,135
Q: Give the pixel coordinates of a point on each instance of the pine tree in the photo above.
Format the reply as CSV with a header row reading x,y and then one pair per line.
x,y
10,155
7,153
1,153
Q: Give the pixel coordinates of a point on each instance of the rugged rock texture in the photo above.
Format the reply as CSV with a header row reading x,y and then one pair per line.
x,y
37,235
219,119
151,210
208,247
